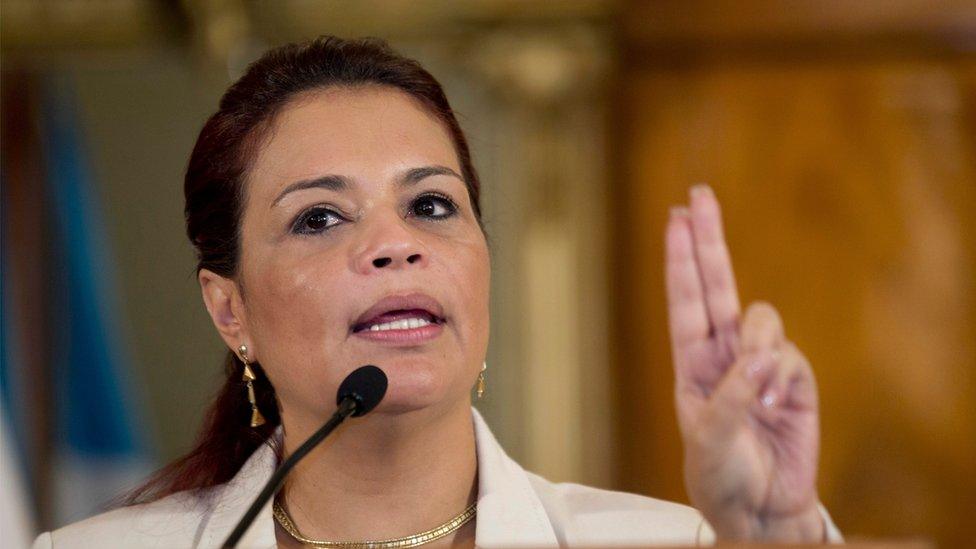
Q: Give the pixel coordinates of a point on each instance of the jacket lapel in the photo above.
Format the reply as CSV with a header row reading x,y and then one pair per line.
x,y
236,496
510,513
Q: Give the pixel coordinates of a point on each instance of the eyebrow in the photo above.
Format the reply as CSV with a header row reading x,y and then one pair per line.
x,y
339,183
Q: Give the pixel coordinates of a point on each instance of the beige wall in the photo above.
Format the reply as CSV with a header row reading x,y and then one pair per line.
x,y
141,114
538,139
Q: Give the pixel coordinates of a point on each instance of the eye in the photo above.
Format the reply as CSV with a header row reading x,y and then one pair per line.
x,y
315,220
434,206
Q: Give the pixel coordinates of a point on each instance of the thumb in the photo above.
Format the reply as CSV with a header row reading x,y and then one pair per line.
x,y
738,390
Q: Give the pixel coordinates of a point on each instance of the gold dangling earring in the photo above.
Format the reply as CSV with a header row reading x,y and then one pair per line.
x,y
481,380
257,419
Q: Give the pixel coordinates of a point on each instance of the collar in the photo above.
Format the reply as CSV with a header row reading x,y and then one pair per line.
x,y
510,513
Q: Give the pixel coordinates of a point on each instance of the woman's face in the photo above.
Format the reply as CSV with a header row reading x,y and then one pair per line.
x,y
356,197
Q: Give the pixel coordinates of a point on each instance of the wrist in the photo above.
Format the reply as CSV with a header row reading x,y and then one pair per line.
x,y
807,526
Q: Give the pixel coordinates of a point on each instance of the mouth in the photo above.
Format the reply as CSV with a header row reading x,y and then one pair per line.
x,y
399,313
399,319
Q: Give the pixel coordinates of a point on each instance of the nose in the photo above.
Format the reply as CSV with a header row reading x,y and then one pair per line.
x,y
389,243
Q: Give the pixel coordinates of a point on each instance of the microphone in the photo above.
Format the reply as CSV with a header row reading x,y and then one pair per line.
x,y
359,393
366,385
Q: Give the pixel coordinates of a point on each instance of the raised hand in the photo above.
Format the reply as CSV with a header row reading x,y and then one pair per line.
x,y
746,397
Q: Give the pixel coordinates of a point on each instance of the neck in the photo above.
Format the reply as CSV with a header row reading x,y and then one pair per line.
x,y
384,476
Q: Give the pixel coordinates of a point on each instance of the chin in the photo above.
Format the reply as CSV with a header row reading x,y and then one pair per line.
x,y
413,388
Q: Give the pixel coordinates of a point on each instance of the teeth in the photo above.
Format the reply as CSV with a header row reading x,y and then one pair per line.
x,y
402,324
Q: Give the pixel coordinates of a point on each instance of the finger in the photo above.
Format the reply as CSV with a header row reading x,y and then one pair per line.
x,y
687,317
785,365
736,394
715,265
762,328
793,383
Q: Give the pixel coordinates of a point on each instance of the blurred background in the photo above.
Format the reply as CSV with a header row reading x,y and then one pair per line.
x,y
840,137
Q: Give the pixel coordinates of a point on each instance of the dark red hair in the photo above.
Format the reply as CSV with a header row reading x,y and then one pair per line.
x,y
214,192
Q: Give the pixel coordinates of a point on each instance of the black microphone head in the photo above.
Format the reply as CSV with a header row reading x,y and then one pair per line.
x,y
367,385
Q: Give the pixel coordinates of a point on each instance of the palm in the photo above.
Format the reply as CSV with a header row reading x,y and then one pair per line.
x,y
771,458
744,461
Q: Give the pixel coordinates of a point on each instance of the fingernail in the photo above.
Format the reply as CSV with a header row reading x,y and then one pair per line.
x,y
679,211
756,367
702,189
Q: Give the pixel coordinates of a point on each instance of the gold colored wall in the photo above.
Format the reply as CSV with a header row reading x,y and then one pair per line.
x,y
839,135
846,165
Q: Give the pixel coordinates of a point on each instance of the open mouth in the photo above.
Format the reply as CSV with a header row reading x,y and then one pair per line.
x,y
399,319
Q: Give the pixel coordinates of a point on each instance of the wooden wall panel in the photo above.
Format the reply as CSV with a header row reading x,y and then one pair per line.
x,y
848,192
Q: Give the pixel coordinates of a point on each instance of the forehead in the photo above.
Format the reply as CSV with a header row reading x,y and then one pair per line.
x,y
369,134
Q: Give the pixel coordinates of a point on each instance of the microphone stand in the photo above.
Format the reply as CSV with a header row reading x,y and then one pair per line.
x,y
347,407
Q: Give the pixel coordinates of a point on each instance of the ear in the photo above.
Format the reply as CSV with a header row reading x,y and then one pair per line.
x,y
226,307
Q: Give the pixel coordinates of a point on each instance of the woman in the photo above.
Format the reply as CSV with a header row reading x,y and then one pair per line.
x,y
334,208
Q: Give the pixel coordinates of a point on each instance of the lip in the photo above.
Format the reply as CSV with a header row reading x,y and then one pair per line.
x,y
416,300
410,336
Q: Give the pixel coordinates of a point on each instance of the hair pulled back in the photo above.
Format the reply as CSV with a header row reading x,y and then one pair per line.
x,y
214,189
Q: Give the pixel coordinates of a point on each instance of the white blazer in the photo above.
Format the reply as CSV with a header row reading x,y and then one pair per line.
x,y
516,508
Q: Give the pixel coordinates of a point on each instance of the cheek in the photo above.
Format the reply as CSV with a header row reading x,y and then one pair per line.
x,y
290,305
470,275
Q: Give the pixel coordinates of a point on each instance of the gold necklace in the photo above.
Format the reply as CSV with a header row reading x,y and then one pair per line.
x,y
407,541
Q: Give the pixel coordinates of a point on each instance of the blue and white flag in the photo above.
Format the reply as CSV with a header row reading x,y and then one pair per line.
x,y
16,511
101,448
